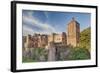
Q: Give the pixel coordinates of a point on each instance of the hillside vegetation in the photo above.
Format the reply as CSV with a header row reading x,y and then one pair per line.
x,y
85,38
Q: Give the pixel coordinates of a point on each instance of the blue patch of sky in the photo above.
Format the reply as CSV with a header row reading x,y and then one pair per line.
x,y
59,20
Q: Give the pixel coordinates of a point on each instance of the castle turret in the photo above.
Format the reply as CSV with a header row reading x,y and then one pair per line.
x,y
73,33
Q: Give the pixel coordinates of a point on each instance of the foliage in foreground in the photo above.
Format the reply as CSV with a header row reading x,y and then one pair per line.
x,y
35,55
41,55
78,54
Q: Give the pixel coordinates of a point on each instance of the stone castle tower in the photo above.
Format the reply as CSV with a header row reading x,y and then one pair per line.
x,y
73,33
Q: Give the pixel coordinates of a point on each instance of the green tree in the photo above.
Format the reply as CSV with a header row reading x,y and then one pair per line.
x,y
79,54
85,38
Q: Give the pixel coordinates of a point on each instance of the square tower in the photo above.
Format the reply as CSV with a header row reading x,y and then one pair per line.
x,y
73,33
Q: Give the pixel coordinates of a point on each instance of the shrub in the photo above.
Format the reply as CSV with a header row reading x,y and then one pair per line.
x,y
79,54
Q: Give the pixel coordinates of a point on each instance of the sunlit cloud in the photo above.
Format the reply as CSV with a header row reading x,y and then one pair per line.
x,y
34,25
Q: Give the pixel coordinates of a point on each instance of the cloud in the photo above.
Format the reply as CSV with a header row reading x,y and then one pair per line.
x,y
27,30
32,25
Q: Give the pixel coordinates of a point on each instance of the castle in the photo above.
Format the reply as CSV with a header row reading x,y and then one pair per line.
x,y
70,37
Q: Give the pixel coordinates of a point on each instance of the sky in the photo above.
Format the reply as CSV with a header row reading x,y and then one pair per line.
x,y
47,22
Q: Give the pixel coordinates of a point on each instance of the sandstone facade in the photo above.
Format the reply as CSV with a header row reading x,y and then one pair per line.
x,y
73,33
